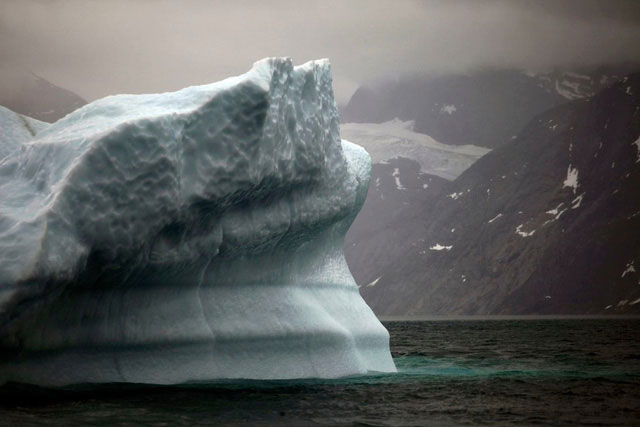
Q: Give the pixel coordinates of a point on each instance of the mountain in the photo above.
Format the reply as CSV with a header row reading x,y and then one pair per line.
x,y
28,94
409,170
548,223
583,83
485,108
391,218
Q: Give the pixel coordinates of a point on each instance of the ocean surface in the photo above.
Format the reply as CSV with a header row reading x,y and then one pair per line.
x,y
560,371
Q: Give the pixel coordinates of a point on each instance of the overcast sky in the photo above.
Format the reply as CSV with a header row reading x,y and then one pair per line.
x,y
102,47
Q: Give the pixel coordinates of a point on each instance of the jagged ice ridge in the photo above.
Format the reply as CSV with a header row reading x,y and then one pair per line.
x,y
185,236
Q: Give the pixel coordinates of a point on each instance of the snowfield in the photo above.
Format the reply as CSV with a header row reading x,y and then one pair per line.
x,y
395,138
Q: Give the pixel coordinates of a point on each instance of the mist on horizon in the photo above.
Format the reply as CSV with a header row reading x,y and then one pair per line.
x,y
101,48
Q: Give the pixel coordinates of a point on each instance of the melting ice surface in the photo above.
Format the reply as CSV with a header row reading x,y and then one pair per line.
x,y
185,236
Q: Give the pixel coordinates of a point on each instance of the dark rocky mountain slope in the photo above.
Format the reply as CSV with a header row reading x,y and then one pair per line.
x,y
548,223
392,217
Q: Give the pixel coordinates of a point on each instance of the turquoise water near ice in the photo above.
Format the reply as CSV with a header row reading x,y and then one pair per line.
x,y
549,371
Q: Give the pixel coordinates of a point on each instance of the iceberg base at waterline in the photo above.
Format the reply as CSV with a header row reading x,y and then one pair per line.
x,y
186,236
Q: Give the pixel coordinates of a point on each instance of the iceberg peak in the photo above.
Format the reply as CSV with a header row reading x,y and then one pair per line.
x,y
186,236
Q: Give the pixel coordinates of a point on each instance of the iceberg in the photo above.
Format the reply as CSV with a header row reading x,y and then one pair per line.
x,y
185,236
16,129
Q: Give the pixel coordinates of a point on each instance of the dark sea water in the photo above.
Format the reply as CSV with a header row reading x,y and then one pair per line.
x,y
450,372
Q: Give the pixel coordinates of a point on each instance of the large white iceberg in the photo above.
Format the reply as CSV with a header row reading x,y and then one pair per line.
x,y
185,236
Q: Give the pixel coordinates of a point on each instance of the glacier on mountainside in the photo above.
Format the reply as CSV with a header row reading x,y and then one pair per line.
x,y
395,138
185,236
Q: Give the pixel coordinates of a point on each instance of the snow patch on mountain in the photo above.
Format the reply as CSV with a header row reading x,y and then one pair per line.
x,y
373,283
572,179
575,203
494,218
630,268
565,92
572,85
439,247
448,109
637,144
555,210
396,176
524,233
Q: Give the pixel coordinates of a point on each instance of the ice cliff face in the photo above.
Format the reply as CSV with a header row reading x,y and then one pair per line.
x,y
186,236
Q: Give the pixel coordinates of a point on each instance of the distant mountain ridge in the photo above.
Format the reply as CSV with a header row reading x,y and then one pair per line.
x,y
26,93
484,108
547,223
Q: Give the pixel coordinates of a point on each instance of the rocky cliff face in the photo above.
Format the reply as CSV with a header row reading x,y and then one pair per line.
x,y
392,218
548,223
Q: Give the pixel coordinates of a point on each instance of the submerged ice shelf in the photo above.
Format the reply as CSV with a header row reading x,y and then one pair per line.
x,y
185,236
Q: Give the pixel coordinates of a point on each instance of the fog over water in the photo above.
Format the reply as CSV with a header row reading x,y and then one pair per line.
x,y
96,48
